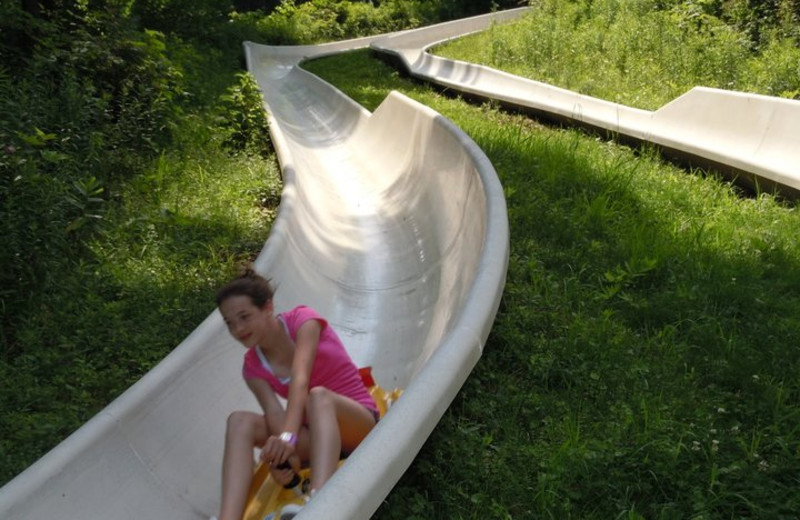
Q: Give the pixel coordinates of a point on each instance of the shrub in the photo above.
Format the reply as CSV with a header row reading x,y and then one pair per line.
x,y
187,18
315,21
243,120
88,106
776,70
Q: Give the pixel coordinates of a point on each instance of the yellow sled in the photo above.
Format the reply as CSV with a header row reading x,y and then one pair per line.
x,y
267,498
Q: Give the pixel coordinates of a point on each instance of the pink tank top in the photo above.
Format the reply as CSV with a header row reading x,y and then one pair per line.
x,y
333,368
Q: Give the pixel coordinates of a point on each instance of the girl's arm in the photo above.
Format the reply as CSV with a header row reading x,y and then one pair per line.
x,y
274,413
275,450
275,416
306,346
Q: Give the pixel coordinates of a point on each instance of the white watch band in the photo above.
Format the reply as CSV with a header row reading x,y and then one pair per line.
x,y
289,438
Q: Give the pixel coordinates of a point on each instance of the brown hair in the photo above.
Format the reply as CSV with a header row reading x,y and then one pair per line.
x,y
251,284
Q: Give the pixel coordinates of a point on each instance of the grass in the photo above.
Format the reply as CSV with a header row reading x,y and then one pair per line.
x,y
634,53
643,360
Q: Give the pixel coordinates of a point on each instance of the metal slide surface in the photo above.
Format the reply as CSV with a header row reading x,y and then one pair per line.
x,y
754,137
393,225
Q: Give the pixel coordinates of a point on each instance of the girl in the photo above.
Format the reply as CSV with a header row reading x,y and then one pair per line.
x,y
298,356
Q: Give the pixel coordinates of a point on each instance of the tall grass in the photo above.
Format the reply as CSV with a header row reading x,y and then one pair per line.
x,y
636,53
643,361
318,21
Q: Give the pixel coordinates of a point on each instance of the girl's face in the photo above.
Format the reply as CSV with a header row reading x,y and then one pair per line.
x,y
246,322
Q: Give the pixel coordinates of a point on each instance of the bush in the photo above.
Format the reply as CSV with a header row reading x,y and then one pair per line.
x,y
88,107
101,86
187,18
244,121
452,9
776,72
293,23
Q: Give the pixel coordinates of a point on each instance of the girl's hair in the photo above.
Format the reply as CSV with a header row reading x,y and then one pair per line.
x,y
251,284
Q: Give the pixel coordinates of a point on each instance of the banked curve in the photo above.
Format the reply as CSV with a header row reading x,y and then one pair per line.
x,y
395,224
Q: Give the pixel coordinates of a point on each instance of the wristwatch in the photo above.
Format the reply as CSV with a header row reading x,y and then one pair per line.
x,y
289,438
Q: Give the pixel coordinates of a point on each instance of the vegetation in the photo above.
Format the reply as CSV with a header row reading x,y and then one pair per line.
x,y
645,53
122,211
643,361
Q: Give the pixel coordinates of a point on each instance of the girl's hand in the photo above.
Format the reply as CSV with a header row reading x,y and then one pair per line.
x,y
282,475
275,452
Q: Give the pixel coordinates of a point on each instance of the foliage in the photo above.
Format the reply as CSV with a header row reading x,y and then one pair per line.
x,y
452,9
114,229
314,21
84,109
327,20
186,18
777,71
642,54
81,77
244,119
759,19
173,235
87,200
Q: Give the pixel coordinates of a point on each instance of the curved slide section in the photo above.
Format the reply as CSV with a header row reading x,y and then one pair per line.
x,y
393,225
753,137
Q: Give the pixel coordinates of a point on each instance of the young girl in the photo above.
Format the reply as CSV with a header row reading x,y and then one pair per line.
x,y
298,356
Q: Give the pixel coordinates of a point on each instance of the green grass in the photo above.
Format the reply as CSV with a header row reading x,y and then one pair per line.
x,y
643,361
176,234
636,53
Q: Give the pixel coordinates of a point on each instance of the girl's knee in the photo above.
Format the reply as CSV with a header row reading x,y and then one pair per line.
x,y
319,397
242,423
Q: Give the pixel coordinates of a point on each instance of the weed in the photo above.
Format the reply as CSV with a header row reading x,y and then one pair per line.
x,y
86,199
244,119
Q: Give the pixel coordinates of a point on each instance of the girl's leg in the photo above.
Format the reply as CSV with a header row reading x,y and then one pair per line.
x,y
335,423
245,431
